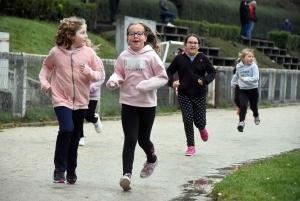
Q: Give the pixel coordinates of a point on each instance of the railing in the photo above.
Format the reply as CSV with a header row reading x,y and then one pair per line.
x,y
275,86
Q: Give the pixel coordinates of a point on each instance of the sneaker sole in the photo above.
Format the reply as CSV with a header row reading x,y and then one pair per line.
x,y
125,184
59,182
190,154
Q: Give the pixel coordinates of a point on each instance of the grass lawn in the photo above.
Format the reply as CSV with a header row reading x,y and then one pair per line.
x,y
276,178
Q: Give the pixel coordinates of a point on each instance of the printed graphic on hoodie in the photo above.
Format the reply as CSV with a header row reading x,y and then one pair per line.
x,y
131,65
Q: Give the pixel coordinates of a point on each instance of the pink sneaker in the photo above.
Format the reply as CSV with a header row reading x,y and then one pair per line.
x,y
190,151
204,134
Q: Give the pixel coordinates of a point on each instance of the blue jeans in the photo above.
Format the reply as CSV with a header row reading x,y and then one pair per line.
x,y
70,125
249,28
244,30
167,14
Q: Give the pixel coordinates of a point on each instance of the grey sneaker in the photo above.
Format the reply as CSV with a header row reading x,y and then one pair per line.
x,y
125,181
256,120
241,126
59,177
148,169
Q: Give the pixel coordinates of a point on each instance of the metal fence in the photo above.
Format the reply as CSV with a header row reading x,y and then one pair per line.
x,y
20,95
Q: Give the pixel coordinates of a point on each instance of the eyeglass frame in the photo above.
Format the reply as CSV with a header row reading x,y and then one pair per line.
x,y
136,33
193,43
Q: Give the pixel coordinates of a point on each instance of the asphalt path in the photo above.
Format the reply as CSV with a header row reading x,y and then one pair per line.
x,y
26,157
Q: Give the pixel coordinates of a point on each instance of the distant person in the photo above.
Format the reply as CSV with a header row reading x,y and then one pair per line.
x,y
113,5
95,92
244,18
252,18
247,75
72,66
164,13
286,26
195,72
139,72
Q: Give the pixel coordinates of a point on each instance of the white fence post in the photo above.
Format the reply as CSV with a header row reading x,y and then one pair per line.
x,y
4,47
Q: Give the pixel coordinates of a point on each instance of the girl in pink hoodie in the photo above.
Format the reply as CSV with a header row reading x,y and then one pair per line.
x,y
138,72
72,66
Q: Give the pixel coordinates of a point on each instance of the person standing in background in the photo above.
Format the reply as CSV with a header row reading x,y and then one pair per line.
x,y
252,19
164,13
286,26
113,5
244,18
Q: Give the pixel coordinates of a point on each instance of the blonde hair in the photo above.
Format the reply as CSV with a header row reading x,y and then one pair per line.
x,y
152,38
67,31
90,44
243,53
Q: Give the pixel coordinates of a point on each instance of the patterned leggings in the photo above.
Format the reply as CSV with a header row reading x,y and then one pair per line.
x,y
193,111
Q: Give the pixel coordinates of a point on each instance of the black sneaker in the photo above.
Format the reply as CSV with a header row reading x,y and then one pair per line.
x,y
59,177
241,126
71,178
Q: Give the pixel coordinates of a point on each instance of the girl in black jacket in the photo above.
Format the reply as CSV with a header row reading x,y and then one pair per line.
x,y
195,72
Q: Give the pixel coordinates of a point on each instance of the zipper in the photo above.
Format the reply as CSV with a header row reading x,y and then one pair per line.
x,y
72,61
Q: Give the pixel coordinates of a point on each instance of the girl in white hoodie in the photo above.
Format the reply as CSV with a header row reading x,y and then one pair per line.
x,y
138,72
248,75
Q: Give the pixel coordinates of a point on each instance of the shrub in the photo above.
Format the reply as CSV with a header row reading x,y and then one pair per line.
x,y
285,40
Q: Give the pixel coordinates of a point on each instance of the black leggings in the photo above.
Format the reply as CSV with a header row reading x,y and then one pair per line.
x,y
90,114
250,95
237,96
193,111
137,124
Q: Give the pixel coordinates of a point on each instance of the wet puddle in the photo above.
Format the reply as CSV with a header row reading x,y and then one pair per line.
x,y
195,189
200,188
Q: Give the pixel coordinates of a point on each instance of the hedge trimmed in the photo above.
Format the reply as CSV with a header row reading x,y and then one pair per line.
x,y
285,40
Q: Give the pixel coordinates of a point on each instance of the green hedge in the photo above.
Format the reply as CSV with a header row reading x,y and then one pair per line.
x,y
49,10
285,40
270,14
205,29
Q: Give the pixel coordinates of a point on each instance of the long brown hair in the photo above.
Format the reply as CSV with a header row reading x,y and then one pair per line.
x,y
67,31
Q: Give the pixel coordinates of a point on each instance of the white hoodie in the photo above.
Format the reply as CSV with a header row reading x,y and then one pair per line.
x,y
138,74
249,73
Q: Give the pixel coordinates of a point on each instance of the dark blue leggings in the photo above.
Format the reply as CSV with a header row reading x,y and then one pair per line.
x,y
137,124
70,125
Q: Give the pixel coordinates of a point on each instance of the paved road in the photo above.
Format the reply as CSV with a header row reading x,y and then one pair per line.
x,y
26,157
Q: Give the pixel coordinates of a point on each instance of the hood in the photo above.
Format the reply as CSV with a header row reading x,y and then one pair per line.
x,y
65,51
145,49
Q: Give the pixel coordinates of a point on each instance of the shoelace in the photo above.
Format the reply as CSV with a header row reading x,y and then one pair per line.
x,y
148,166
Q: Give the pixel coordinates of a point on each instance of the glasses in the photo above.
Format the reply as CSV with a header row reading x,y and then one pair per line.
x,y
192,43
132,34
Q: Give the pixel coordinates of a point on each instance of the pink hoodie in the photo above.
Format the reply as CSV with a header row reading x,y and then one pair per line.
x,y
69,86
138,74
95,87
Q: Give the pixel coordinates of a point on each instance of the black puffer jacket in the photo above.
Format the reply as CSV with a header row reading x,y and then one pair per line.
x,y
189,73
244,12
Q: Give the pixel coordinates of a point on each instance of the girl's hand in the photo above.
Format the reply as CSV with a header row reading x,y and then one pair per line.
x,y
82,66
176,84
48,90
242,79
200,82
233,87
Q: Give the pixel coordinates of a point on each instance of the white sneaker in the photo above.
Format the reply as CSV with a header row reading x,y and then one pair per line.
x,y
125,182
170,25
81,141
98,124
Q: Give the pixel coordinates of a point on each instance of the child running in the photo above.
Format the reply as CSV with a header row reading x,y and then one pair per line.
x,y
68,63
95,93
247,75
195,72
138,72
